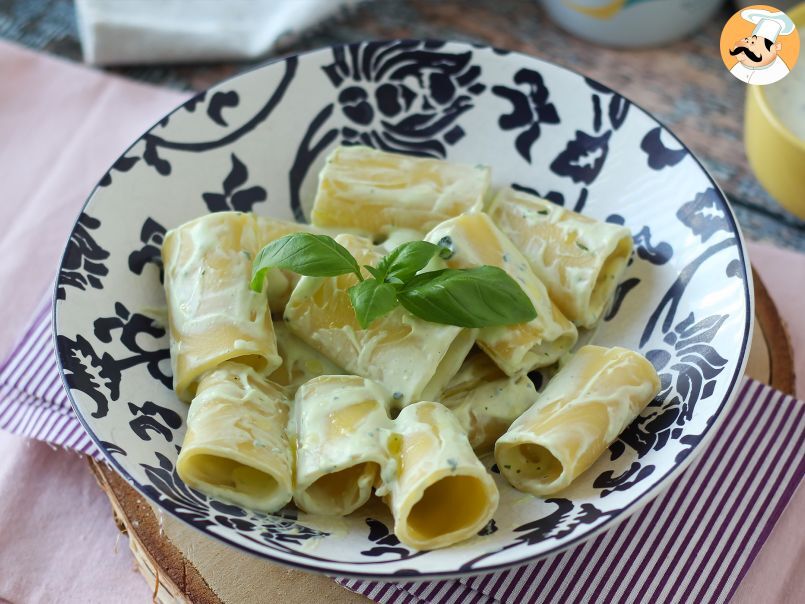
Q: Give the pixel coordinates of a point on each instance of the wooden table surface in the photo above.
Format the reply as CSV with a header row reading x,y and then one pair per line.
x,y
683,84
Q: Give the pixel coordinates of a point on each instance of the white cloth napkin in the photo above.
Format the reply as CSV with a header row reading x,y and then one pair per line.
x,y
115,32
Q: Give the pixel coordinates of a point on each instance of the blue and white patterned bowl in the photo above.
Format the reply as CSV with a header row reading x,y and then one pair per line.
x,y
257,142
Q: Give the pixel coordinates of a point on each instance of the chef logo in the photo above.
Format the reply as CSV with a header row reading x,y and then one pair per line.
x,y
759,45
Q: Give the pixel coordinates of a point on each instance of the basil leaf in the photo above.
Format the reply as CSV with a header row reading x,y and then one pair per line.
x,y
372,299
306,254
485,296
375,272
406,260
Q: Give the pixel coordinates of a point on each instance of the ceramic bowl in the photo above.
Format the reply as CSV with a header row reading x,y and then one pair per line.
x,y
256,143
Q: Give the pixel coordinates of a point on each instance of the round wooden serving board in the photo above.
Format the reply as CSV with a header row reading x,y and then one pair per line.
x,y
183,565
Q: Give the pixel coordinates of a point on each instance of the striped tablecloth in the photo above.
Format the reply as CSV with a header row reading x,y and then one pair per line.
x,y
694,543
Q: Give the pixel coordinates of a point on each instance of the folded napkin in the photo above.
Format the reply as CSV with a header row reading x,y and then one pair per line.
x,y
186,31
693,544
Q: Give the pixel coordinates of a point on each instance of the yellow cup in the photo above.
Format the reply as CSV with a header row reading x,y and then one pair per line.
x,y
776,155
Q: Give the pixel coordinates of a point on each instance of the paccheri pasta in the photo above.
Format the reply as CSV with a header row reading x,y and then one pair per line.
x,y
296,396
441,493
213,316
582,410
376,192
337,424
236,445
580,260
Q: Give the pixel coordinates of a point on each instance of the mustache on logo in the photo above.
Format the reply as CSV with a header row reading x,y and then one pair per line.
x,y
743,49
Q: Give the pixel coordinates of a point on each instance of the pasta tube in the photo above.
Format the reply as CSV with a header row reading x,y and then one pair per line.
x,y
587,404
339,447
486,401
441,493
407,355
376,192
580,260
475,240
300,362
235,446
213,316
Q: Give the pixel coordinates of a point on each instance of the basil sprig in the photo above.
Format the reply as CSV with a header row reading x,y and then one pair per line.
x,y
306,254
483,296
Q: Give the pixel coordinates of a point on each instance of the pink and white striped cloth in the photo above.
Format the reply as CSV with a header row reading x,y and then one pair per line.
x,y
694,543
33,401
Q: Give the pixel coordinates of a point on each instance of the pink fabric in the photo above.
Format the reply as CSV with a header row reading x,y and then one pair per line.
x,y
61,126
52,550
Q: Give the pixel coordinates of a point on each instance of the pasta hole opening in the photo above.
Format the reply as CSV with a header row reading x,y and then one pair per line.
x,y
234,476
342,489
607,279
255,361
448,505
532,462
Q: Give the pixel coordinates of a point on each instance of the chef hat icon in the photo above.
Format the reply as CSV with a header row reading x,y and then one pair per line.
x,y
768,24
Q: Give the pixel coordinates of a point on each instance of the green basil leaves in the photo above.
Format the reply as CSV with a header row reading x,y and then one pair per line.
x,y
306,254
484,296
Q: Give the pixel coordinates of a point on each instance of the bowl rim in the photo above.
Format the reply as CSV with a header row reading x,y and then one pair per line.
x,y
612,521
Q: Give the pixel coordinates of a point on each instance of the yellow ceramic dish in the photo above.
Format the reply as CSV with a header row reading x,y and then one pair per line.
x,y
776,154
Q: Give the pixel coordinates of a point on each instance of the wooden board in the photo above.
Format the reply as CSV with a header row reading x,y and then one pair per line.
x,y
185,566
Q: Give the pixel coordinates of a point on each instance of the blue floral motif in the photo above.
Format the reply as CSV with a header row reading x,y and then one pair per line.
x,y
583,157
705,215
608,482
386,542
83,263
97,376
658,155
235,196
219,101
657,254
683,383
142,336
123,164
152,235
530,109
404,96
621,291
147,418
